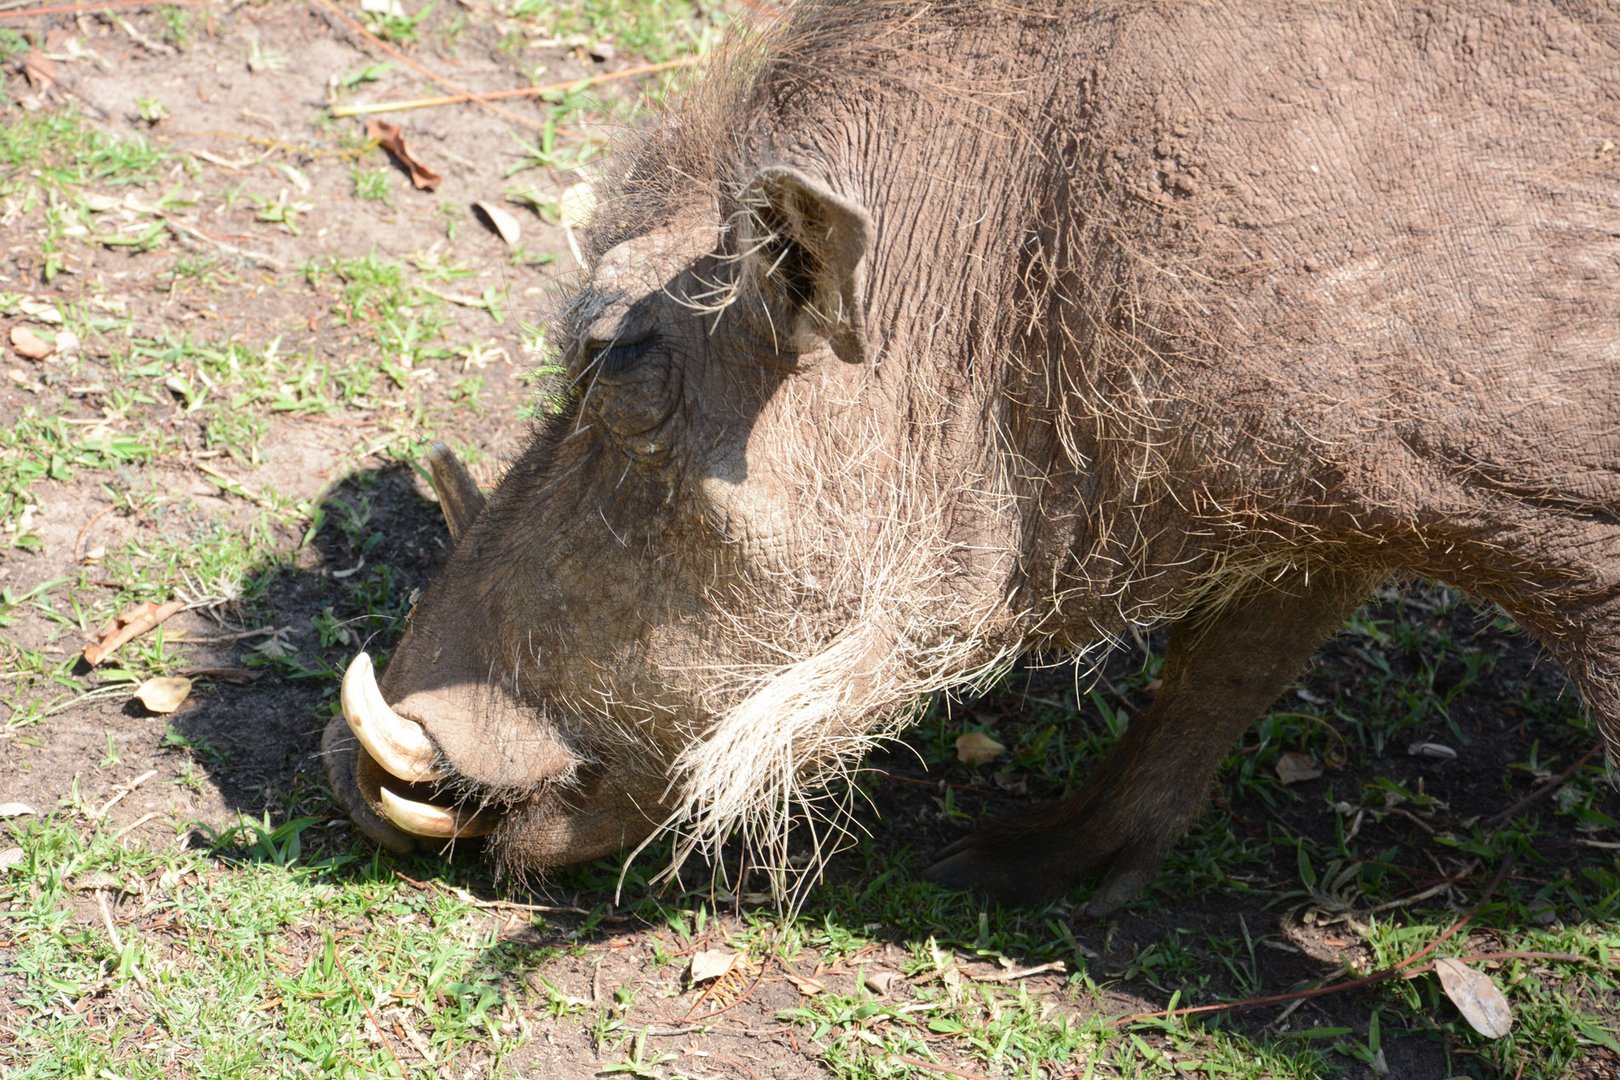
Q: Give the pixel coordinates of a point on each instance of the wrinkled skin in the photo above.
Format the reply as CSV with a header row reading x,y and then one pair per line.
x,y
892,367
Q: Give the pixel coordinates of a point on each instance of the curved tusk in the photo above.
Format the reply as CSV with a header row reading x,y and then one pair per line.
x,y
398,745
424,819
458,493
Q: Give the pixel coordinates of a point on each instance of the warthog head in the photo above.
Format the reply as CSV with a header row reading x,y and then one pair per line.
x,y
758,533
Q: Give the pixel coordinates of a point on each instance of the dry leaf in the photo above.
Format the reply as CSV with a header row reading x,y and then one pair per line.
x,y
806,986
883,983
29,345
38,69
502,222
40,310
10,857
711,964
15,809
164,695
1433,750
977,748
391,137
575,204
130,623
1476,997
1294,767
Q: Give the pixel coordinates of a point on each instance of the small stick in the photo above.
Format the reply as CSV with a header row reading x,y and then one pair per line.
x,y
1556,782
919,1063
137,823
477,97
129,787
112,932
382,1035
437,79
78,541
100,5
1399,968
507,905
1014,974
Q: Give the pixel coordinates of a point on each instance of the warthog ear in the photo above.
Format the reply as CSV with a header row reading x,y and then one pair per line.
x,y
804,244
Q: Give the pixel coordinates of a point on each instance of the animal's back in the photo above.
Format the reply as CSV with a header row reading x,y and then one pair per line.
x,y
1382,252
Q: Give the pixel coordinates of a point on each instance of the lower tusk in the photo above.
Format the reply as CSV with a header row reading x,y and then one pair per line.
x,y
399,745
425,819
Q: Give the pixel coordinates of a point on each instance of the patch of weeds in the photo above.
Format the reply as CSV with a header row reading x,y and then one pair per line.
x,y
281,210
46,446
261,58
151,111
402,317
546,152
54,150
12,44
547,379
398,28
244,946
373,185
655,29
178,26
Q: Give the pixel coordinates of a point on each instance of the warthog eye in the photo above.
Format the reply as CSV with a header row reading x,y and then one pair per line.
x,y
608,359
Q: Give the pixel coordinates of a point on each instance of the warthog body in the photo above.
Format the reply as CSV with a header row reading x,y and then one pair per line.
x,y
928,335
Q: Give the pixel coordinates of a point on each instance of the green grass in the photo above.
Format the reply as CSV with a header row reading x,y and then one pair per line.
x,y
242,952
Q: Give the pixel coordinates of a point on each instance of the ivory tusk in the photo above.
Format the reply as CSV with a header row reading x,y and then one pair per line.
x,y
458,493
424,819
399,745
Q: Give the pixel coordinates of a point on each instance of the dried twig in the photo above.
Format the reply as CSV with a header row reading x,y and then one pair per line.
x,y
98,6
117,941
437,79
504,905
78,541
480,97
382,1036
931,1066
129,787
1552,785
1399,968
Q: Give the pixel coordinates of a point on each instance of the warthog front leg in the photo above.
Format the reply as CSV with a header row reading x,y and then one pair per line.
x,y
1224,667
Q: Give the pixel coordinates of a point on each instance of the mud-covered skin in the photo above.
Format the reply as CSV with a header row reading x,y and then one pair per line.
x,y
894,365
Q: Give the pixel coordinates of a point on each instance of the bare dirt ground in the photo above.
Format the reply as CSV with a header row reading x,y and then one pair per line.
x,y
265,319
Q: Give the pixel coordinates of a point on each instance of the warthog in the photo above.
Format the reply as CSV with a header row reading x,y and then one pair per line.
x,y
924,336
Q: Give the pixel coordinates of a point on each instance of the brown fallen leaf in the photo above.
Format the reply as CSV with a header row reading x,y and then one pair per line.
x,y
164,695
711,964
1294,767
882,983
1476,997
977,748
503,223
29,345
15,809
806,986
129,624
39,70
391,137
